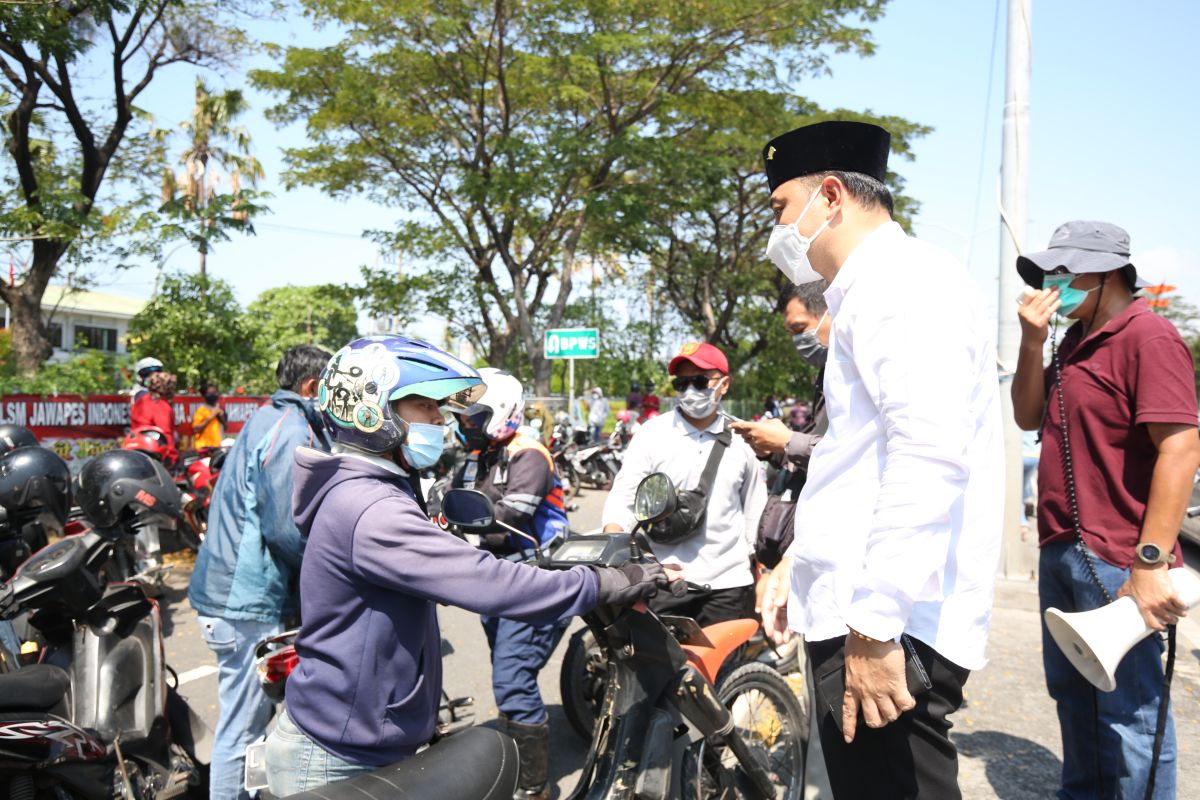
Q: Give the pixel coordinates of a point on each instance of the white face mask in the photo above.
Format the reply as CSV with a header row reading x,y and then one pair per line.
x,y
788,249
699,403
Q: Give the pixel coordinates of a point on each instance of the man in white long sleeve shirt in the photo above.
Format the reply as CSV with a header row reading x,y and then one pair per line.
x,y
898,528
719,553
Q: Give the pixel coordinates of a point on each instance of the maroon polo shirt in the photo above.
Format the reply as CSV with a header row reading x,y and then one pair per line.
x,y
1134,370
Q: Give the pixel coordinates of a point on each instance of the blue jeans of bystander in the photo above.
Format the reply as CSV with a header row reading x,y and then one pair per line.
x,y
244,709
1107,736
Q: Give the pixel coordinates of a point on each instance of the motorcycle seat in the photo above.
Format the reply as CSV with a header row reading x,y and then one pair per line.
x,y
38,687
437,772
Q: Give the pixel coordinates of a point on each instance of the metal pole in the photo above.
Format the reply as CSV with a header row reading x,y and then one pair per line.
x,y
1018,558
570,387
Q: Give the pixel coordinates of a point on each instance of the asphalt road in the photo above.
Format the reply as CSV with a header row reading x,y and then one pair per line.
x,y
1007,733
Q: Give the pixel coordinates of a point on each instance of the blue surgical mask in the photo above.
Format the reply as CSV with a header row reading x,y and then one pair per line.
x,y
423,445
1070,297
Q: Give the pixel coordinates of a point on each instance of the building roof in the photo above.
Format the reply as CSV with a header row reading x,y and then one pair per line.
x,y
81,301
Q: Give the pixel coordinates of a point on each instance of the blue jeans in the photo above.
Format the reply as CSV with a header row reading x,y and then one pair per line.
x,y
295,763
1108,737
244,709
519,651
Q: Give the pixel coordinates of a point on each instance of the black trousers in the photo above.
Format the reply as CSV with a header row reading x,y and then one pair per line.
x,y
912,757
719,605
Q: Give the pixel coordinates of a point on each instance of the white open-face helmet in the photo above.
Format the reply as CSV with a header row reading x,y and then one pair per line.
x,y
146,367
496,415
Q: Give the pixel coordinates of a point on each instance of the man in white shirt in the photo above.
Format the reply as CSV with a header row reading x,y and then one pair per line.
x,y
898,528
719,550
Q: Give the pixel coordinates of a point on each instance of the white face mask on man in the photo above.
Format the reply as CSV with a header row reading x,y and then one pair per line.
x,y
699,403
788,249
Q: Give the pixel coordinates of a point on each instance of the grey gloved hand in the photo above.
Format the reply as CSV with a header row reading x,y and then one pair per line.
x,y
630,583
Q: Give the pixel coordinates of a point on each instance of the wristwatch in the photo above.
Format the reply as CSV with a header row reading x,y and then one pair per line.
x,y
1151,554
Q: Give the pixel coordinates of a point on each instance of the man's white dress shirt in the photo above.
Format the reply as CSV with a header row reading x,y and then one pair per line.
x,y
898,527
719,554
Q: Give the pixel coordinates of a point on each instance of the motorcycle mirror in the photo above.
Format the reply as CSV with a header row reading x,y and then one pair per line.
x,y
655,498
469,509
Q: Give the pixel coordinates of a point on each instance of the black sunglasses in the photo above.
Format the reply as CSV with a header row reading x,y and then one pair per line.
x,y
682,382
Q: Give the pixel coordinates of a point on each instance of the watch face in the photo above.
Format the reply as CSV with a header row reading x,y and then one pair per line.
x,y
1150,553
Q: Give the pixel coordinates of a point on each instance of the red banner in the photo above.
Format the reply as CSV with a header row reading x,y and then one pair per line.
x,y
77,427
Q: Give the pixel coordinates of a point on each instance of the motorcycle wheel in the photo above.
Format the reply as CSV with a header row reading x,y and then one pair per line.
x,y
770,718
581,682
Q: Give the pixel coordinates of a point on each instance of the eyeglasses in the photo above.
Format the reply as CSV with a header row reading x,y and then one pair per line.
x,y
682,382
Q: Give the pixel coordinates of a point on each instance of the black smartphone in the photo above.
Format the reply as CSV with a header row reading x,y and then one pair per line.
x,y
833,682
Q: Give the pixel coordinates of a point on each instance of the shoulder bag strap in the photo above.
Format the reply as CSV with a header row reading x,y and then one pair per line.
x,y
720,445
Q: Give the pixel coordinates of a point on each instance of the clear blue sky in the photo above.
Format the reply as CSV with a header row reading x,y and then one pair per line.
x,y
1114,112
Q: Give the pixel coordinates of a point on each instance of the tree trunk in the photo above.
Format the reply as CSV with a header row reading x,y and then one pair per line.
x,y
30,344
203,261
541,374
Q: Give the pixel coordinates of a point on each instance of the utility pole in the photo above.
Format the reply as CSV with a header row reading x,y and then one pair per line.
x,y
1017,557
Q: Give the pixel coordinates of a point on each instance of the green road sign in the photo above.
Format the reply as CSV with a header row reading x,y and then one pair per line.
x,y
572,343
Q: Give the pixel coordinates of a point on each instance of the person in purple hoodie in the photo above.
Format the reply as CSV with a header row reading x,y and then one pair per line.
x,y
366,690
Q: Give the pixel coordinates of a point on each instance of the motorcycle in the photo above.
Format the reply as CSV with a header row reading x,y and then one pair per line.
x,y
670,726
563,447
197,479
274,660
596,466
95,717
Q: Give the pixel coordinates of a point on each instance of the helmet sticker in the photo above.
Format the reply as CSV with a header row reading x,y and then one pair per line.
x,y
351,396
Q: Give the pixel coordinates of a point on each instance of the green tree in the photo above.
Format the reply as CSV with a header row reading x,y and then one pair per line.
x,y
706,226
290,315
201,214
78,152
500,128
198,330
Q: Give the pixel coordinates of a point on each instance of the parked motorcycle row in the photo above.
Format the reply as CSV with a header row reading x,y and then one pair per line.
x,y
87,702
579,462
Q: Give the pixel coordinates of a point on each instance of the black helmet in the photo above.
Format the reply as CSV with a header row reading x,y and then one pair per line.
x,y
120,486
14,436
34,481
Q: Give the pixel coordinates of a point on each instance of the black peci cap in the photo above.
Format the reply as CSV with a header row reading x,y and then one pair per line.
x,y
827,147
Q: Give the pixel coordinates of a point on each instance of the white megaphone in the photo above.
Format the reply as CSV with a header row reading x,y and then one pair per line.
x,y
1096,641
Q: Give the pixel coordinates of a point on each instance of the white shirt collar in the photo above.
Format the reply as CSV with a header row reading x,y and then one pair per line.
x,y
371,458
860,258
683,422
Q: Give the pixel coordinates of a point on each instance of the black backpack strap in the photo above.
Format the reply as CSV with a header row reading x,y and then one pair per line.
x,y
720,445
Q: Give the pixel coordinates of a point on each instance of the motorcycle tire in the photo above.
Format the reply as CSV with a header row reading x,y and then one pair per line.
x,y
582,681
771,719
583,677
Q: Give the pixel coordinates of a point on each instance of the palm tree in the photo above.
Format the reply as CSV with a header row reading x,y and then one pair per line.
x,y
215,146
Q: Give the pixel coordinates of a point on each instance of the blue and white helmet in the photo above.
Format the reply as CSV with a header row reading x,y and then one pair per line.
x,y
364,377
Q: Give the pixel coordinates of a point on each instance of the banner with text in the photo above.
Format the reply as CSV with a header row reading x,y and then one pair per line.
x,y
78,427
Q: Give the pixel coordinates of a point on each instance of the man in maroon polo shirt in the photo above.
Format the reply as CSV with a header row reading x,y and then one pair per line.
x,y
1117,411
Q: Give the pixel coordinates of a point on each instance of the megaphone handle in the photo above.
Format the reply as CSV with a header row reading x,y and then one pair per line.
x,y
1164,704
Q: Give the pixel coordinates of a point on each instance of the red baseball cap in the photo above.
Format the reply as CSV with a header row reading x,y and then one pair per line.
x,y
703,355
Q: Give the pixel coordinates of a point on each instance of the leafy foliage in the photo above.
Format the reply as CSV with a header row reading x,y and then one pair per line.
x,y
86,372
196,327
79,155
291,315
504,131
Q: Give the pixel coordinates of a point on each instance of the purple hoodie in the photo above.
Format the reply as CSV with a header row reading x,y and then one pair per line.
x,y
369,680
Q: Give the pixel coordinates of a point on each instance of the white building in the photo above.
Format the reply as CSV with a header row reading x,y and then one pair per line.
x,y
77,319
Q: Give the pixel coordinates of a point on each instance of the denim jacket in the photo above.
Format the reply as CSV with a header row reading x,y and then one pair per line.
x,y
249,564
